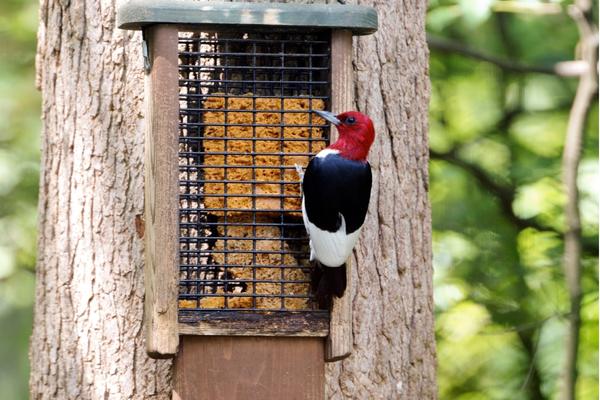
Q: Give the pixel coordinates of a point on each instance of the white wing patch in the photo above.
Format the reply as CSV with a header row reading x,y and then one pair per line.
x,y
325,152
331,249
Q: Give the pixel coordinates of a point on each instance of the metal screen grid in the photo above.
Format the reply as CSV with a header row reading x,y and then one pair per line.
x,y
241,248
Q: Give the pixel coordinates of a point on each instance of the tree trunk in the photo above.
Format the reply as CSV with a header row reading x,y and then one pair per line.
x,y
587,89
394,344
88,340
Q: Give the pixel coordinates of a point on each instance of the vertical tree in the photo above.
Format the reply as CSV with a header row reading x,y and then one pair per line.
x,y
87,340
587,91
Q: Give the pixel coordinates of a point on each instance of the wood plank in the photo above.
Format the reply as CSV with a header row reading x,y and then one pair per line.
x,y
339,342
249,368
161,193
220,323
135,14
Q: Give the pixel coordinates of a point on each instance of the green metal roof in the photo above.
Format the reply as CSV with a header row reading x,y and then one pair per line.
x,y
135,14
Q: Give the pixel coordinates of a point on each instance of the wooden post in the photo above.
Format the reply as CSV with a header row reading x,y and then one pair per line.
x,y
339,341
249,368
161,192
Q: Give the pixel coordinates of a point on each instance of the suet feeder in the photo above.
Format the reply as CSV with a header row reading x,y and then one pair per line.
x,y
230,91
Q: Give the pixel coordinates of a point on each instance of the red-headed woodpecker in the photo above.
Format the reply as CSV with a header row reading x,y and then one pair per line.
x,y
336,189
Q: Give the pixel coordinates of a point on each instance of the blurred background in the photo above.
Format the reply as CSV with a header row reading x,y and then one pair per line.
x,y
498,119
19,173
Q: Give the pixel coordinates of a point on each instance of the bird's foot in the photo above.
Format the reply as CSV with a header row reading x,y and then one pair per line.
x,y
300,171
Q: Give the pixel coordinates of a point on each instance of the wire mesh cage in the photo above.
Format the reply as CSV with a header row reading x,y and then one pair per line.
x,y
246,104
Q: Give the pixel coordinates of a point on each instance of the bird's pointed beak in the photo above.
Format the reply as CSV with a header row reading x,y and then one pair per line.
x,y
328,116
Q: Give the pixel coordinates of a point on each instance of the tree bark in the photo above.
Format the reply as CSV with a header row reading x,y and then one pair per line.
x,y
394,345
88,340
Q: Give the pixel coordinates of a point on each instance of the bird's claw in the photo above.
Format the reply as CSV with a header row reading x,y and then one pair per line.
x,y
300,171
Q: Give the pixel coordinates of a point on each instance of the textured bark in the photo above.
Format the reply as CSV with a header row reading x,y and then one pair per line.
x,y
394,347
87,341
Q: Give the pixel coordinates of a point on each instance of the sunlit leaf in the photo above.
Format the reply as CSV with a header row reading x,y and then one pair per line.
x,y
475,12
7,262
440,17
587,183
468,116
541,133
543,92
493,156
542,197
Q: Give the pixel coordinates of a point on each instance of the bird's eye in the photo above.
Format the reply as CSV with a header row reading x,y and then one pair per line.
x,y
350,120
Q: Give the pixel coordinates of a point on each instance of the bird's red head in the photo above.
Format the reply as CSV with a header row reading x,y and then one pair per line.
x,y
356,134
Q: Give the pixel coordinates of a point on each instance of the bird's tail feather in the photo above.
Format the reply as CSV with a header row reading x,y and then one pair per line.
x,y
327,282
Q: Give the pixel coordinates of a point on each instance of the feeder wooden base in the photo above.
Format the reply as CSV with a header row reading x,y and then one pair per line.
x,y
249,368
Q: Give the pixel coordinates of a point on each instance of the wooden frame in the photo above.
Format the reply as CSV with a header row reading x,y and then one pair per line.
x,y
161,233
339,341
161,205
289,324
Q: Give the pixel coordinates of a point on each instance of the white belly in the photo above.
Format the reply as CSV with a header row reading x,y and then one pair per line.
x,y
331,249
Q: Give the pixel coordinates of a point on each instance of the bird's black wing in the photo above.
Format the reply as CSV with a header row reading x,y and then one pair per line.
x,y
334,185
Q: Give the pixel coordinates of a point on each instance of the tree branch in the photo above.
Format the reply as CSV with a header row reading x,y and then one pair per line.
x,y
505,195
531,325
519,7
533,380
586,90
564,68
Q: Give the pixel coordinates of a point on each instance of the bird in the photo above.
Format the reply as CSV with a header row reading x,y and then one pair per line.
x,y
336,188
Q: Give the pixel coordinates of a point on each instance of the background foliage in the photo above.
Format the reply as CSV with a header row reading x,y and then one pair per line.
x,y
19,171
496,141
